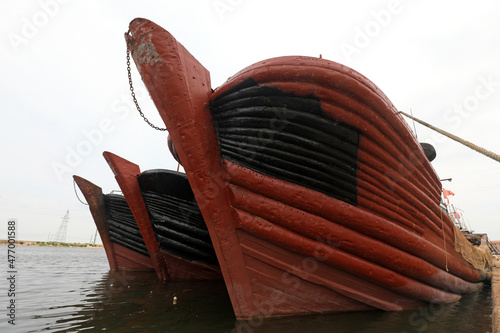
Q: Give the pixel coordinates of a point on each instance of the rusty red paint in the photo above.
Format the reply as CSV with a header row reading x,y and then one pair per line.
x,y
131,260
119,257
355,219
285,249
167,266
126,176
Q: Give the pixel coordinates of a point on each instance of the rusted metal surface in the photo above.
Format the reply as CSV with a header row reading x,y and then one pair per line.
x,y
287,241
495,296
126,176
119,256
168,266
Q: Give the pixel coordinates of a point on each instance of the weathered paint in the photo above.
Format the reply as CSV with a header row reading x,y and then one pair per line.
x,y
495,296
167,265
126,176
119,257
271,235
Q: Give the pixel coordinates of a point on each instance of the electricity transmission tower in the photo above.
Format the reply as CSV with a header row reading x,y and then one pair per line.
x,y
61,232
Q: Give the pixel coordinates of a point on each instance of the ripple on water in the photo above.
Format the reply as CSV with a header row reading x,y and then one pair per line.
x,y
72,289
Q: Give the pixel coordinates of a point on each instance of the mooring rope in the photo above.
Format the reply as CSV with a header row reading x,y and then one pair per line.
x,y
481,150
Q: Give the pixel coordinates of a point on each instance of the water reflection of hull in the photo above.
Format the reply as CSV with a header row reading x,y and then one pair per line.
x,y
170,221
126,301
120,235
470,314
316,195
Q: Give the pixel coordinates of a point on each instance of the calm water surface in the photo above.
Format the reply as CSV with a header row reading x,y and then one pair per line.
x,y
72,290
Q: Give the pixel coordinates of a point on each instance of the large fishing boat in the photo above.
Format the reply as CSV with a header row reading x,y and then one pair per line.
x,y
169,219
314,190
120,235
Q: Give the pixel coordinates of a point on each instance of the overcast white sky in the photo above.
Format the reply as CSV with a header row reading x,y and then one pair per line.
x,y
65,96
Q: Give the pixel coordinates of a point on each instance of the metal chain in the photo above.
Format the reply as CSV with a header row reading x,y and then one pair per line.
x,y
133,94
74,186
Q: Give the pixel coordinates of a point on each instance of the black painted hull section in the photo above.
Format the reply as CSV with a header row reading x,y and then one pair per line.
x,y
287,137
177,221
122,227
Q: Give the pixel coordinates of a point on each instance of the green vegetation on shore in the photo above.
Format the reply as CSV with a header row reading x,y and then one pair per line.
x,y
53,244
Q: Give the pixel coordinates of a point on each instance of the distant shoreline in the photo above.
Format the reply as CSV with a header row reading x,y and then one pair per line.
x,y
52,244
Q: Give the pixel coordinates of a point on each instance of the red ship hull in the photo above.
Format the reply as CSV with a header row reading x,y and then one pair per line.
x,y
124,256
316,195
168,266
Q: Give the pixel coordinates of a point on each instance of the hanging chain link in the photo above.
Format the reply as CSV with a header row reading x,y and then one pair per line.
x,y
74,186
133,94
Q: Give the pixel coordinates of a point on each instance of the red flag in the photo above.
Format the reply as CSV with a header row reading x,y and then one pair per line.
x,y
447,193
